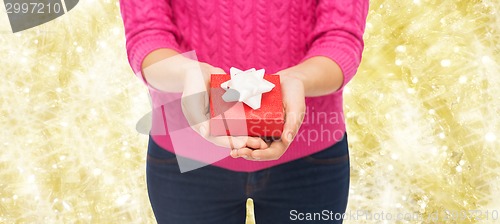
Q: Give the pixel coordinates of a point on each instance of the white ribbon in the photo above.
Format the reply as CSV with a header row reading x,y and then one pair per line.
x,y
246,86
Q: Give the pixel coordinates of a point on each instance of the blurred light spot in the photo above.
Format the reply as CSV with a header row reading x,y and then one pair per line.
x,y
394,156
398,62
347,90
122,199
486,60
102,44
116,31
442,135
490,137
31,178
97,171
66,205
462,79
369,25
445,63
401,48
434,151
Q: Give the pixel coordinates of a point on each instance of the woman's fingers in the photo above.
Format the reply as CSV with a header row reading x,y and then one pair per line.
x,y
293,120
253,143
230,142
195,105
256,143
215,70
243,152
294,103
194,109
238,142
195,100
274,152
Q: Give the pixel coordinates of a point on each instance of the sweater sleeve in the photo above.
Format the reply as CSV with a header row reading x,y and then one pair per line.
x,y
148,26
338,33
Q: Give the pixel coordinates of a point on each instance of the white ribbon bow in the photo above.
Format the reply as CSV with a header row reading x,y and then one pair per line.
x,y
246,86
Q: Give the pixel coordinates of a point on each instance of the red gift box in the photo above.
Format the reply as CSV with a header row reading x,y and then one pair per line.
x,y
238,119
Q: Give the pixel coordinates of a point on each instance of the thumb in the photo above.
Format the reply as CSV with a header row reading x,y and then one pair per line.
x,y
217,70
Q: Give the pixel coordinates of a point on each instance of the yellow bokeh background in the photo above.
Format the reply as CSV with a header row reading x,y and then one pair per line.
x,y
422,115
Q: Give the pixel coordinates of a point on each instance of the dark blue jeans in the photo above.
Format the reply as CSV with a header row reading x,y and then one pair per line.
x,y
313,188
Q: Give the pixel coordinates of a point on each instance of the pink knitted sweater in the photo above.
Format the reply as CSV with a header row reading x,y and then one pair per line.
x,y
270,34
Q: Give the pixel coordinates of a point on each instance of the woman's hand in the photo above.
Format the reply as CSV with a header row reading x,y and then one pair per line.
x,y
195,106
316,76
292,90
169,71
